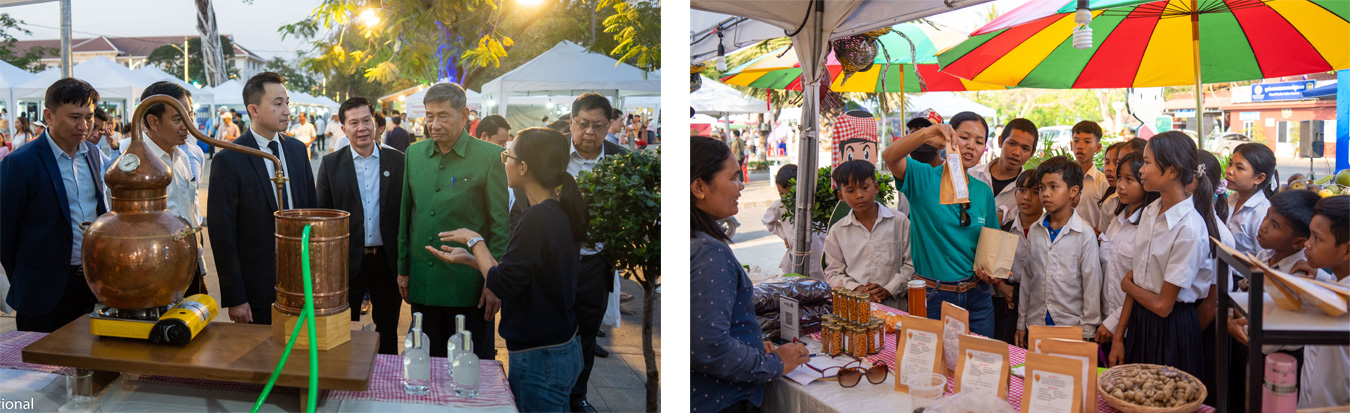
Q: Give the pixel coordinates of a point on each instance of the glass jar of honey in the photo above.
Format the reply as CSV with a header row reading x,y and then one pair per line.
x,y
876,336
918,298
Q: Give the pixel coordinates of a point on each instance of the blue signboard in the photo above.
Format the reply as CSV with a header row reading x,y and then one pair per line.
x,y
1263,92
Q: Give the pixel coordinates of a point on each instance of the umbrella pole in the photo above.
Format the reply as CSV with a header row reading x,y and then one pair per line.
x,y
1195,59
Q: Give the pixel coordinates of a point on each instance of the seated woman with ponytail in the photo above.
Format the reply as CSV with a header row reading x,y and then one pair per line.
x,y
537,277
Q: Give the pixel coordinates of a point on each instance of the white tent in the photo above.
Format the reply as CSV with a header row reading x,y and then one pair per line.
x,y
413,103
11,76
719,100
569,70
230,93
200,96
948,104
113,81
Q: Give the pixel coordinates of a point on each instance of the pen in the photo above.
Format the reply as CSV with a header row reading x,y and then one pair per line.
x,y
452,182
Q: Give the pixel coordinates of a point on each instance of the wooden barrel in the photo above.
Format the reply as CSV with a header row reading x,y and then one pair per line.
x,y
329,247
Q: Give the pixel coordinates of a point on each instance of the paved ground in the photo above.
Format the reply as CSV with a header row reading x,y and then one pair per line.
x,y
617,382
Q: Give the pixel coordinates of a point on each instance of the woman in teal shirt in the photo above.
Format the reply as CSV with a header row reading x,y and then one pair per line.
x,y
943,237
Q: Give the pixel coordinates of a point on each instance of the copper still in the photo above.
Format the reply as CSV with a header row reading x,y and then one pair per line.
x,y
139,255
329,246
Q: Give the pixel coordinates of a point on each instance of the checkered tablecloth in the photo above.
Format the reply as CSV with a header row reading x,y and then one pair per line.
x,y
1016,356
385,381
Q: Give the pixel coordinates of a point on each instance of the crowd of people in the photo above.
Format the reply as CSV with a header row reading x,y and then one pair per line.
x,y
1125,253
471,220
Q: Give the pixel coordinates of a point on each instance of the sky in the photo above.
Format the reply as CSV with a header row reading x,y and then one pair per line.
x,y
253,26
971,18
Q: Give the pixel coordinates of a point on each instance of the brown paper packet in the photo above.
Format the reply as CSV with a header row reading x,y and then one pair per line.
x,y
995,252
929,334
1044,363
969,343
954,188
1037,334
1083,351
955,322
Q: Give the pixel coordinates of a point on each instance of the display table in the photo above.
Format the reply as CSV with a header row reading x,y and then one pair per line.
x,y
785,395
45,385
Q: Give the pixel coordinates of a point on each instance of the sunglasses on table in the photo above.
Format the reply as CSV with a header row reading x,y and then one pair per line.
x,y
850,375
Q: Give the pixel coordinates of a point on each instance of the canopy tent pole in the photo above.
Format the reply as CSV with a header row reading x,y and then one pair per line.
x,y
808,144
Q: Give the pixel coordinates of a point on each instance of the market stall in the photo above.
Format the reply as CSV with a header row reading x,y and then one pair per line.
x,y
45,386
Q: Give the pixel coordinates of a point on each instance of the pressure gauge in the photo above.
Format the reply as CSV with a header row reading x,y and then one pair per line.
x,y
128,163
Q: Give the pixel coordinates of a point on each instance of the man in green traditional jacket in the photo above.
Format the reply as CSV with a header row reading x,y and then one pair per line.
x,y
451,181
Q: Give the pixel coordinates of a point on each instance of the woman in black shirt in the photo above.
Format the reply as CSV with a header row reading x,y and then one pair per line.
x,y
537,277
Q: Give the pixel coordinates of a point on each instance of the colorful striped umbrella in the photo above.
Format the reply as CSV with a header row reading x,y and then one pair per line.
x,y
779,69
1156,43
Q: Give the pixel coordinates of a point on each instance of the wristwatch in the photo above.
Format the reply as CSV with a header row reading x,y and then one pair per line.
x,y
474,241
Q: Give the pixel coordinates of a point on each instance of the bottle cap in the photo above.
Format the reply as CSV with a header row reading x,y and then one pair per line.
x,y
468,342
917,284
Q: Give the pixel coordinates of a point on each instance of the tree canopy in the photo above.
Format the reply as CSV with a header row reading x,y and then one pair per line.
x,y
170,59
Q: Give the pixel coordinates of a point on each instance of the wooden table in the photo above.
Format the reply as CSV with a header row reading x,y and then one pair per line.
x,y
243,353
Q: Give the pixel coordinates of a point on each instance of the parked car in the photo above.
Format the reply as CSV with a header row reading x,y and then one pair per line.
x,y
1059,136
1224,144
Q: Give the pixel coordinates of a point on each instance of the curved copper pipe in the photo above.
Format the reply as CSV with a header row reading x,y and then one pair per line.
x,y
138,117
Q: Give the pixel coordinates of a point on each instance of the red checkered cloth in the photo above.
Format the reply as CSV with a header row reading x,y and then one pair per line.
x,y
386,383
1016,356
851,127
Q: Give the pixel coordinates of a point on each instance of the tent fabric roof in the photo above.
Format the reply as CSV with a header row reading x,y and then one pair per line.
x,y
11,75
717,99
413,103
113,81
948,104
229,93
569,69
199,95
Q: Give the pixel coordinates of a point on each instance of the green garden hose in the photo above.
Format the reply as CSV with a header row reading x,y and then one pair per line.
x,y
306,320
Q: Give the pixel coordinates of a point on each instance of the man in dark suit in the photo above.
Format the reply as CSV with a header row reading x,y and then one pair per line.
x,y
49,187
242,198
366,180
398,137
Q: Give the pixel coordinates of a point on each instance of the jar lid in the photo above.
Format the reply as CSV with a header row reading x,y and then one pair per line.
x,y
917,284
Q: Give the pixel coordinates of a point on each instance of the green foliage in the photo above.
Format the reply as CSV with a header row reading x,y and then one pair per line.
x,y
826,199
27,59
296,79
623,195
636,25
400,49
757,165
1048,153
169,58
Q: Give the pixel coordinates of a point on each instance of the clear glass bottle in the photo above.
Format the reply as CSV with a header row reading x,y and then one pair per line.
x,y
416,360
454,346
465,378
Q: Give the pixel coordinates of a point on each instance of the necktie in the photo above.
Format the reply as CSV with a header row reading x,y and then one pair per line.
x,y
284,195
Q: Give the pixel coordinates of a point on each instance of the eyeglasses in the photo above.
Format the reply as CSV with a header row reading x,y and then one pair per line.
x,y
596,127
965,214
505,156
851,376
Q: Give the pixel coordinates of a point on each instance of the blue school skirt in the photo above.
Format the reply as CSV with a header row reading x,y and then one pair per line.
x,y
1171,341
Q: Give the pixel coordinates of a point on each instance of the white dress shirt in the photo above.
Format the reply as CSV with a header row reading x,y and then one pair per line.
x,y
855,256
1326,370
576,164
335,128
1117,254
1062,277
182,191
1019,259
1005,201
272,169
1108,217
368,182
1205,278
304,132
1090,198
784,229
1245,221
1170,247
